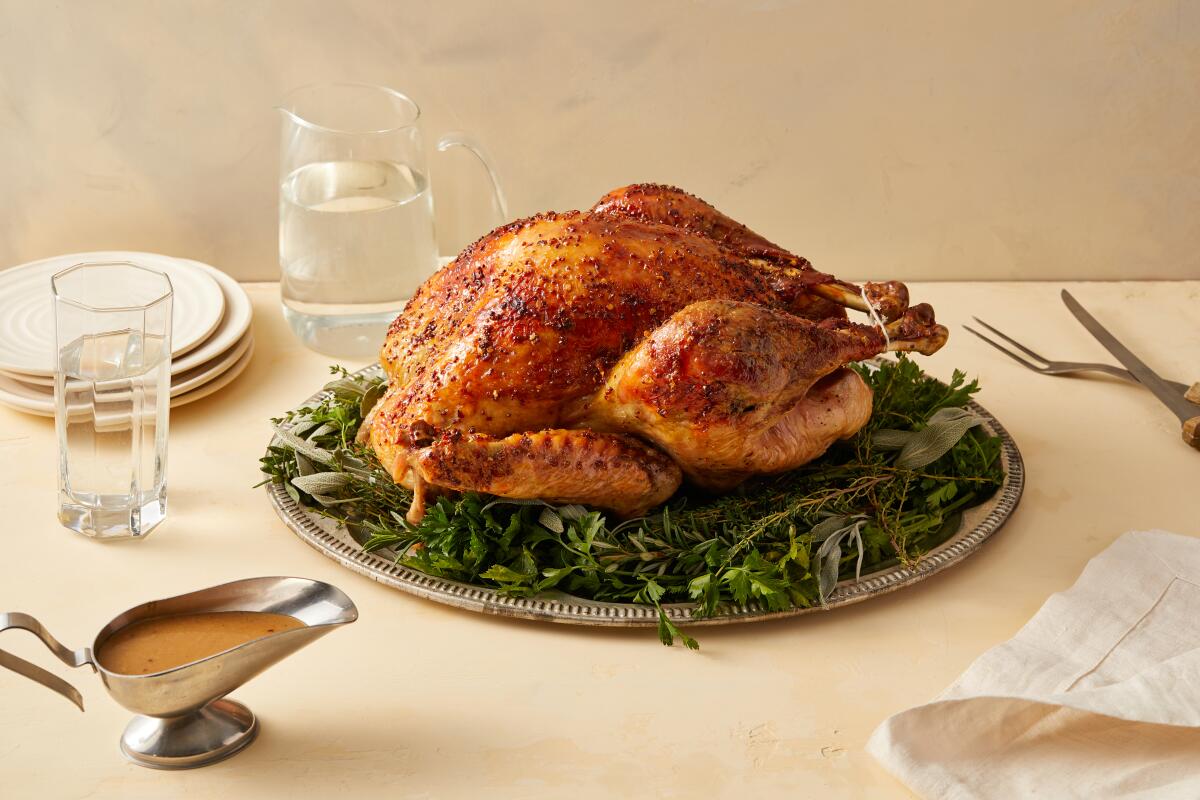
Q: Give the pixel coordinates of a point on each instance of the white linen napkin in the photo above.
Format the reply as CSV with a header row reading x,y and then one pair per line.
x,y
1097,696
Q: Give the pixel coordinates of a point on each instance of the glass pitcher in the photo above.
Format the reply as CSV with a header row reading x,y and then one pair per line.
x,y
356,230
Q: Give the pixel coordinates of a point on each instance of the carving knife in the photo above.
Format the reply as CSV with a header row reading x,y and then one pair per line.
x,y
1148,378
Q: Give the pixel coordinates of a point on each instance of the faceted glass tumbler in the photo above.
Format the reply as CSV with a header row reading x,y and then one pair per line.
x,y
112,396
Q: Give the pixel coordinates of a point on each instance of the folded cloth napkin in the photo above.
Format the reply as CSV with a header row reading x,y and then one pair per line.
x,y
1097,696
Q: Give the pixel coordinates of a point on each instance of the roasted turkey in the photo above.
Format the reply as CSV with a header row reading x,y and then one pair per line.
x,y
601,357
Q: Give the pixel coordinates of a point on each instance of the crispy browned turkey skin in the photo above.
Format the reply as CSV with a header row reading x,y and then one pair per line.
x,y
598,357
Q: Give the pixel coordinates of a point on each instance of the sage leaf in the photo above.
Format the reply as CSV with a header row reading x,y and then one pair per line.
x,y
302,425
550,518
321,482
945,428
344,386
321,431
305,447
828,527
835,531
571,512
357,532
890,439
303,465
370,398
830,559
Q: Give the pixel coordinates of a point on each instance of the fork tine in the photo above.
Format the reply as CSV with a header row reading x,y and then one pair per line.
x,y
1012,341
1006,352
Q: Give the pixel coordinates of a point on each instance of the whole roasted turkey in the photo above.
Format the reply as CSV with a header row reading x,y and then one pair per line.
x,y
600,357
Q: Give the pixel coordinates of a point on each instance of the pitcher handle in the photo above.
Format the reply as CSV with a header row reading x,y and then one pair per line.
x,y
72,658
464,139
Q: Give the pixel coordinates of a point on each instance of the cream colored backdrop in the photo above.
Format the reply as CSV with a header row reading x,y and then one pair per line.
x,y
911,140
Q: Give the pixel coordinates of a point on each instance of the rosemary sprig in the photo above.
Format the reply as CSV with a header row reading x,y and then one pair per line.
x,y
886,496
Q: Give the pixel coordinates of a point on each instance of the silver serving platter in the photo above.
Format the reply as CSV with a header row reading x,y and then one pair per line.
x,y
333,540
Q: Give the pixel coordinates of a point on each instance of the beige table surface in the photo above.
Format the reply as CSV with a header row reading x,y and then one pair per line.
x,y
418,700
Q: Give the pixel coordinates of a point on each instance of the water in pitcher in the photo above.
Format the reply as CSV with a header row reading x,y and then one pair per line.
x,y
112,420
356,239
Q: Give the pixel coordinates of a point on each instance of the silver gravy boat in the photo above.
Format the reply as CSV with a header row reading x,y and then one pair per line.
x,y
183,718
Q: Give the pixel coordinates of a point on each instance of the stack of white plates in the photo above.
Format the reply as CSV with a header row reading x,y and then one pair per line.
x,y
211,340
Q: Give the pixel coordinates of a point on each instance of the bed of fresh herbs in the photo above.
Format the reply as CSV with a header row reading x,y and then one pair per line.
x,y
889,494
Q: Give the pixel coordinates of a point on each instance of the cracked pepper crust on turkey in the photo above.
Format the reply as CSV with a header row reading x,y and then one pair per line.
x,y
600,357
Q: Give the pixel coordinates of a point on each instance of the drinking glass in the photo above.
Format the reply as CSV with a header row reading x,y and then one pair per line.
x,y
356,226
112,395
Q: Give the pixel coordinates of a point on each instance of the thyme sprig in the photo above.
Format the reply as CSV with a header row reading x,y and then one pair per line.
x,y
889,494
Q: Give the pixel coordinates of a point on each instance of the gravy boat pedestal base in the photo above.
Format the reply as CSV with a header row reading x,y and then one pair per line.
x,y
212,734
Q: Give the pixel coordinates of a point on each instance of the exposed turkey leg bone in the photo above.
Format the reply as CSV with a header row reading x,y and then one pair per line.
x,y
909,329
890,298
916,321
916,331
925,345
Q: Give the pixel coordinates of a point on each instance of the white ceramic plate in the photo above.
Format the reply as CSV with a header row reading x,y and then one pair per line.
x,y
27,307
46,381
220,383
185,387
233,327
23,397
183,382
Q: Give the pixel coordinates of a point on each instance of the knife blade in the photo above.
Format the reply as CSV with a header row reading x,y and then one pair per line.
x,y
1148,378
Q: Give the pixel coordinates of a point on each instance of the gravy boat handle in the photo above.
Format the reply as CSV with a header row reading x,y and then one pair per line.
x,y
72,658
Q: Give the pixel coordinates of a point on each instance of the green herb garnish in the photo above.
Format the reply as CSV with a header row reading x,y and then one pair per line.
x,y
889,494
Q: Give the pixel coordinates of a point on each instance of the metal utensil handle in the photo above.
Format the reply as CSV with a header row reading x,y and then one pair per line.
x,y
72,658
1191,432
1180,406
